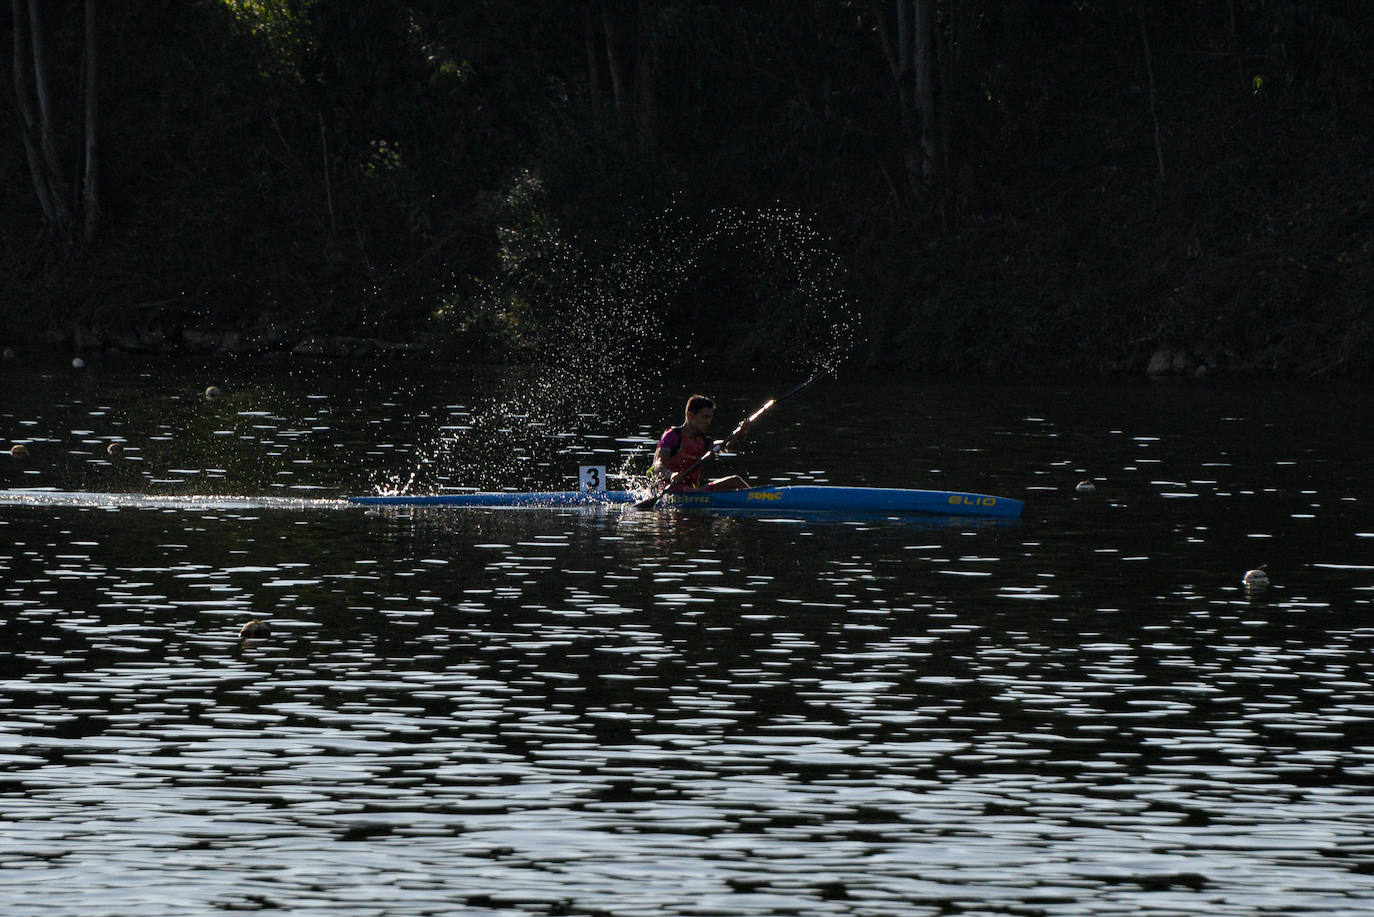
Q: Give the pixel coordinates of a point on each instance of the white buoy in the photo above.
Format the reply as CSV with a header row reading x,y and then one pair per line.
x,y
78,363
115,448
1255,579
1086,487
212,392
19,450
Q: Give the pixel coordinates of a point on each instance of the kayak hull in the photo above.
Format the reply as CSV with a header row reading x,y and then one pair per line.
x,y
800,498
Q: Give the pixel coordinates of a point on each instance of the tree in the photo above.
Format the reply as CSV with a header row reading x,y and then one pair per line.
x,y
624,40
90,186
911,52
38,126
1150,75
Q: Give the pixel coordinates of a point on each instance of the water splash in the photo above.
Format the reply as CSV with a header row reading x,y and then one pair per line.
x,y
605,328
32,497
592,364
791,303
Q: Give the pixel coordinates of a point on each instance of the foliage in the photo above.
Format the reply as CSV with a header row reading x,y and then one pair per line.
x,y
459,172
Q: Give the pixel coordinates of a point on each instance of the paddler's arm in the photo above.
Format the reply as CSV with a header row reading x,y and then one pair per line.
x,y
660,473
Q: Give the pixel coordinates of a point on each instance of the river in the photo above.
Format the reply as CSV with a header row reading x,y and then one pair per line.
x,y
538,712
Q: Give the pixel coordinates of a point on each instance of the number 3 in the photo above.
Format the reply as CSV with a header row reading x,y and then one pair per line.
x,y
593,478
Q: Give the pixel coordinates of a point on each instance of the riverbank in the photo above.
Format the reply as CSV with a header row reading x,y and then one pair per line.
x,y
272,344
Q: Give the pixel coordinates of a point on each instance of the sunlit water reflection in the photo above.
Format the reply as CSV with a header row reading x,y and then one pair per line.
x,y
620,713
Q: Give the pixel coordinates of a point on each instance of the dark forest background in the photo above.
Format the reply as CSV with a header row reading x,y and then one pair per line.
x,y
1020,186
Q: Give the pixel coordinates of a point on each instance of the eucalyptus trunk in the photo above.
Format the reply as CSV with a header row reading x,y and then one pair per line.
x,y
912,54
55,185
1150,76
33,100
644,75
90,189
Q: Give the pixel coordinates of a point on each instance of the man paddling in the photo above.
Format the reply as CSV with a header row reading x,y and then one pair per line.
x,y
680,447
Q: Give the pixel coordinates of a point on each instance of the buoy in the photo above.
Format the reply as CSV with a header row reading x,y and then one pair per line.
x,y
1255,579
1086,487
8,353
78,363
114,448
254,630
19,450
212,392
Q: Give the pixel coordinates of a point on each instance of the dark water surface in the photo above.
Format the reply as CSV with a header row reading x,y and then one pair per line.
x,y
512,712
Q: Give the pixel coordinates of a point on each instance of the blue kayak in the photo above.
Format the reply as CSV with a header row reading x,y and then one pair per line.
x,y
800,498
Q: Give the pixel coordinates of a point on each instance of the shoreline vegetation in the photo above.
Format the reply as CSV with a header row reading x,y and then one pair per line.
x,y
966,188
273,345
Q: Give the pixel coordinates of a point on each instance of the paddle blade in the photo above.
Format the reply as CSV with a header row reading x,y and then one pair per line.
x,y
648,502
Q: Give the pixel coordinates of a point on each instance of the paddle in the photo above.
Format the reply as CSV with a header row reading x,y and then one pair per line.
x,y
650,501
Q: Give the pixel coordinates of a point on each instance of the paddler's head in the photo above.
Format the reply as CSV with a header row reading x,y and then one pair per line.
x,y
700,411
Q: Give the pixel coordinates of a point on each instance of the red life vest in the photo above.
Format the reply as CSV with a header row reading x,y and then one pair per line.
x,y
683,451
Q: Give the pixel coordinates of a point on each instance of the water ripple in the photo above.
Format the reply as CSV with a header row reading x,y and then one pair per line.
x,y
593,713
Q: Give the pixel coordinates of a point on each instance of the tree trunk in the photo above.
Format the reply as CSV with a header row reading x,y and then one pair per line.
x,y
23,100
47,131
613,61
885,39
898,64
593,64
1235,48
1150,73
29,67
328,183
644,76
906,86
912,59
56,186
928,119
953,47
90,194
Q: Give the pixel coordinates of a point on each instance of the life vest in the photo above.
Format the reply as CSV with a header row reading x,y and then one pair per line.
x,y
683,451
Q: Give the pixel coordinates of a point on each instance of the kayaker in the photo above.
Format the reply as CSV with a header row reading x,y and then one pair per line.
x,y
680,447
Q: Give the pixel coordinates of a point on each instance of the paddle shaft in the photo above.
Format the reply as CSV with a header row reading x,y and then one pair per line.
x,y
718,447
